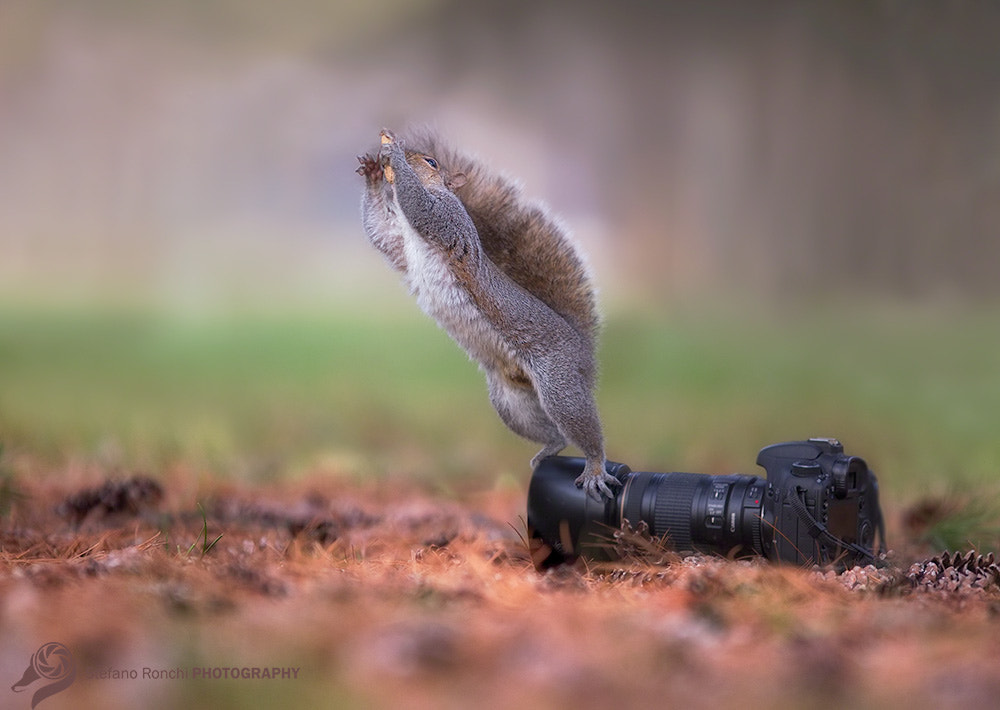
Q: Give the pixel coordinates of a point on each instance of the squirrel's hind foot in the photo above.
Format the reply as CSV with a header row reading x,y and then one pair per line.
x,y
598,484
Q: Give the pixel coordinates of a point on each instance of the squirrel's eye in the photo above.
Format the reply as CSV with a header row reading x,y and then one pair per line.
x,y
430,161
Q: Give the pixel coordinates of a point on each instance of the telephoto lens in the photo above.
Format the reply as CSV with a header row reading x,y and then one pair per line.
x,y
691,512
817,506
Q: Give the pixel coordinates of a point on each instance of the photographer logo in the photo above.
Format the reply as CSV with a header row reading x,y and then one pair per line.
x,y
52,663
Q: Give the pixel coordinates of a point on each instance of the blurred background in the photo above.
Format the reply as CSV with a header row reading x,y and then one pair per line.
x,y
791,208
793,213
188,151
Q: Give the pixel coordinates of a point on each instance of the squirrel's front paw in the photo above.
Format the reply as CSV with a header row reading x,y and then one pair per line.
x,y
370,168
389,150
389,146
599,486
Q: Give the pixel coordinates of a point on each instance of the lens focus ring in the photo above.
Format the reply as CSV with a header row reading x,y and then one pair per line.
x,y
672,509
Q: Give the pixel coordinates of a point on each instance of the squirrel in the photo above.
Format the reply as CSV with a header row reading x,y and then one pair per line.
x,y
501,277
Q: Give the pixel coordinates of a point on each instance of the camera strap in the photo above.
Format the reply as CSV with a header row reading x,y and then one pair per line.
x,y
819,532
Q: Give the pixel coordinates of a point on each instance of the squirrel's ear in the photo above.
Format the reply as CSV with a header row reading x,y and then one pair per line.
x,y
456,180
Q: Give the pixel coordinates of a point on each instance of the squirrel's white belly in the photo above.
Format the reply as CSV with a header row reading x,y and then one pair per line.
x,y
440,296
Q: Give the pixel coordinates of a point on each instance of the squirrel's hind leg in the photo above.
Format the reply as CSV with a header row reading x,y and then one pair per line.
x,y
569,404
517,403
550,449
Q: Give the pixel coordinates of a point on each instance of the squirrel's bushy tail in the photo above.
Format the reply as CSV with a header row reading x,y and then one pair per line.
x,y
520,236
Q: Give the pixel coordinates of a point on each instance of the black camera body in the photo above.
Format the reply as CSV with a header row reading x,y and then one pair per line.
x,y
817,506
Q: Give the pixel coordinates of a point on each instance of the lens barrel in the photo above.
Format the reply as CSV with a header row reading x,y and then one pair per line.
x,y
691,511
696,512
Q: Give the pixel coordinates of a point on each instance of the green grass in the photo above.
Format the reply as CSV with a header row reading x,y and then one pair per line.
x,y
250,396
967,521
915,391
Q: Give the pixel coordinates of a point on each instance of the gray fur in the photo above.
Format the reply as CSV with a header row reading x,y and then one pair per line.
x,y
540,365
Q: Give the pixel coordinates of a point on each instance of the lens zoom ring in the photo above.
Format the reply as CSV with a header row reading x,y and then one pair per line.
x,y
672,510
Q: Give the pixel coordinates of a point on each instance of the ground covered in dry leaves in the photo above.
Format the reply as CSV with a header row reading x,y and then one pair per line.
x,y
343,594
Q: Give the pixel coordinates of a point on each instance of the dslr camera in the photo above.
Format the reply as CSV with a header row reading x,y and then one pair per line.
x,y
817,506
